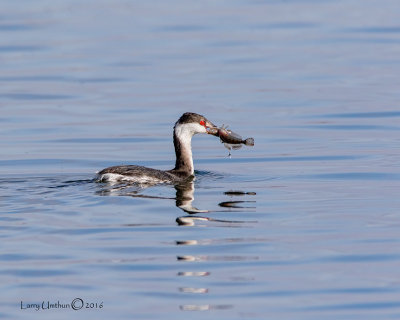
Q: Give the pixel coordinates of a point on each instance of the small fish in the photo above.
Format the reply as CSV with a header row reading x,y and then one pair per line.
x,y
230,139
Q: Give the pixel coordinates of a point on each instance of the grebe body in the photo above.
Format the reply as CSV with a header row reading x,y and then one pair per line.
x,y
185,128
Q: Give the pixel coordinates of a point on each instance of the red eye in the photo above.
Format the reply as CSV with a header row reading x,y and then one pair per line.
x,y
202,123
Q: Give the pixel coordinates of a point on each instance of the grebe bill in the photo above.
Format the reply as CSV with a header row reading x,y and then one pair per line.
x,y
185,128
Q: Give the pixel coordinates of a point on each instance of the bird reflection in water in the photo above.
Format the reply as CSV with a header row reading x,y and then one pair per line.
x,y
184,200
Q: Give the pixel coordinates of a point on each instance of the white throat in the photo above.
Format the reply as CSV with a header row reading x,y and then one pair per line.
x,y
183,134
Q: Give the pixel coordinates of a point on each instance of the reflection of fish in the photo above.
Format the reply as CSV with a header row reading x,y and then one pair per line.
x,y
238,193
230,139
234,204
190,220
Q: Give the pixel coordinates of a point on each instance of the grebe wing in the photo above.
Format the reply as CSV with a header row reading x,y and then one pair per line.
x,y
134,173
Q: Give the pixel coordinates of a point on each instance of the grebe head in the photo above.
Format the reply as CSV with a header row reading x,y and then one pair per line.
x,y
185,128
190,124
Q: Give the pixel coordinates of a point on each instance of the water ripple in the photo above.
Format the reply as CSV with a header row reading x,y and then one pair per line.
x,y
36,96
20,48
354,176
380,114
16,27
370,305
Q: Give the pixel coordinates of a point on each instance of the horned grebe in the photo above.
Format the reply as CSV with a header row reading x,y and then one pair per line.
x,y
188,125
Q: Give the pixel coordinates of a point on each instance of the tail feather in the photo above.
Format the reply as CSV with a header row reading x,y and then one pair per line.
x,y
249,142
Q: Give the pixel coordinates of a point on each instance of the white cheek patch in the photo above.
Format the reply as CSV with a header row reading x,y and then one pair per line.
x,y
187,130
198,128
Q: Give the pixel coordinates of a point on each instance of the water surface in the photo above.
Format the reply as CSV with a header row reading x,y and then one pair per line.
x,y
302,226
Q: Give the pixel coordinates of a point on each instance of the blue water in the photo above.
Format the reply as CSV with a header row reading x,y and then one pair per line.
x,y
304,225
